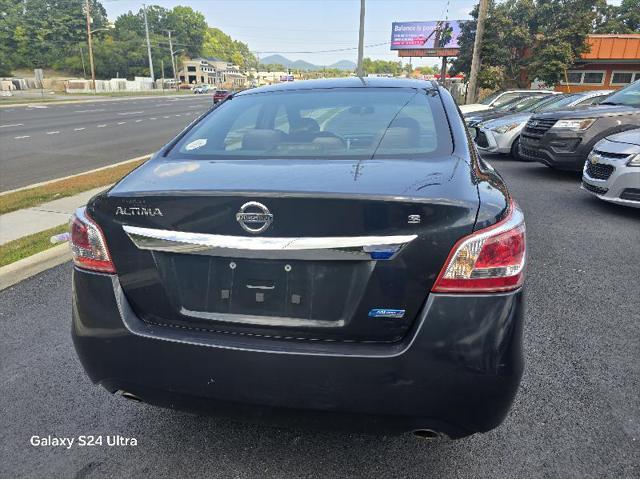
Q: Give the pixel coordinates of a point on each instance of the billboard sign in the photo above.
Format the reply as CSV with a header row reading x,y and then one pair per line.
x,y
425,35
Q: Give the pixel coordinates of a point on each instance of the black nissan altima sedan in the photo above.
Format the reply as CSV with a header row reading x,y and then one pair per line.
x,y
317,252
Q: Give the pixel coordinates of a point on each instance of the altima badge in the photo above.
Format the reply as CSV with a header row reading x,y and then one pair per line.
x,y
137,211
254,213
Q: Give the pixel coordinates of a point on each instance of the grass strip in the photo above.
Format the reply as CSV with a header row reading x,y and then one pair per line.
x,y
29,245
67,187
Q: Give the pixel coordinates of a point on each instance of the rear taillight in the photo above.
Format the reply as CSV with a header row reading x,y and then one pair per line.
x,y
88,246
489,260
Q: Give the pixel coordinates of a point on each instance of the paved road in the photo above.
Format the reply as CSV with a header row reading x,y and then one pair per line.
x,y
576,415
39,143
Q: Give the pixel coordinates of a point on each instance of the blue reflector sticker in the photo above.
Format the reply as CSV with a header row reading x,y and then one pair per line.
x,y
386,313
381,252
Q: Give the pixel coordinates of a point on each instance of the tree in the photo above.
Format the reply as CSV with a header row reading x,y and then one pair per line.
x,y
623,18
541,38
189,27
220,45
10,13
429,70
381,67
38,33
563,26
506,41
271,67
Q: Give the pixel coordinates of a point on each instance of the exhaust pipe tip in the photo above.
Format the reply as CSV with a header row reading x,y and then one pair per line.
x,y
428,434
129,396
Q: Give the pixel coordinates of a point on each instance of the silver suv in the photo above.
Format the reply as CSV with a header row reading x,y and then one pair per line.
x,y
612,170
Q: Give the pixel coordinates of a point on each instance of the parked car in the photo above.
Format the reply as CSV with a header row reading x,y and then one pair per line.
x,y
514,106
612,170
502,135
562,139
499,98
321,249
201,89
220,95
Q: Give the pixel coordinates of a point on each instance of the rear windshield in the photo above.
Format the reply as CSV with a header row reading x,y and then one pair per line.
x,y
523,104
490,98
558,102
334,123
629,96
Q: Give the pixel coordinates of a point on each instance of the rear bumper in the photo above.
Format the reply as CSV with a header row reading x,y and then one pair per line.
x,y
456,372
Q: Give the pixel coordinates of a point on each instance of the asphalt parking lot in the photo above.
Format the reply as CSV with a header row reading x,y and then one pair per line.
x,y
577,413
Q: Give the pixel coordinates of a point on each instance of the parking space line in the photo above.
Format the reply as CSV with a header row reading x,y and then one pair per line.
x,y
10,126
101,126
53,132
79,129
21,137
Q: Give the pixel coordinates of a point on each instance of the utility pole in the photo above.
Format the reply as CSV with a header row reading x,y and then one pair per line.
x,y
173,63
146,31
93,70
443,71
84,70
477,44
360,71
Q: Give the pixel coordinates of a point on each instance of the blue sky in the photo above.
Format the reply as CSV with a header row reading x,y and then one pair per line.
x,y
290,26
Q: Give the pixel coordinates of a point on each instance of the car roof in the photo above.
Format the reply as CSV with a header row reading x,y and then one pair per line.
x,y
591,93
527,90
351,82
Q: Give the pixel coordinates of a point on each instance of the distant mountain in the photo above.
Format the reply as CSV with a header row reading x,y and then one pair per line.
x,y
343,65
303,65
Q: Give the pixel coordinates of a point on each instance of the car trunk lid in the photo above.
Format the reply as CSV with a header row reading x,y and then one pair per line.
x,y
349,253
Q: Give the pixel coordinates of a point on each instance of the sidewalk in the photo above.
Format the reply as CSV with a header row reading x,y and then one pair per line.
x,y
18,224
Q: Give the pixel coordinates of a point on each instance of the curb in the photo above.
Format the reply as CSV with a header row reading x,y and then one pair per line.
x,y
48,182
27,267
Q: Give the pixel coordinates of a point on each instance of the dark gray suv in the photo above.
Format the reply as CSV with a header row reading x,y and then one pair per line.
x,y
563,139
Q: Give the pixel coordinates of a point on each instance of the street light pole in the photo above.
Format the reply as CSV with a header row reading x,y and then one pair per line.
x,y
477,45
146,31
361,40
93,70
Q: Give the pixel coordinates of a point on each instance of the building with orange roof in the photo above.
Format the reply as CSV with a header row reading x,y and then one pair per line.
x,y
612,62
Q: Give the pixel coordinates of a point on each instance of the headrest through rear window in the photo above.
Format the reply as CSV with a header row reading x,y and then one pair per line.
x,y
261,139
399,137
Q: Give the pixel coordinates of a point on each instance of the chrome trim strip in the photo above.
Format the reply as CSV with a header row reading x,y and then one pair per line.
x,y
262,320
304,248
